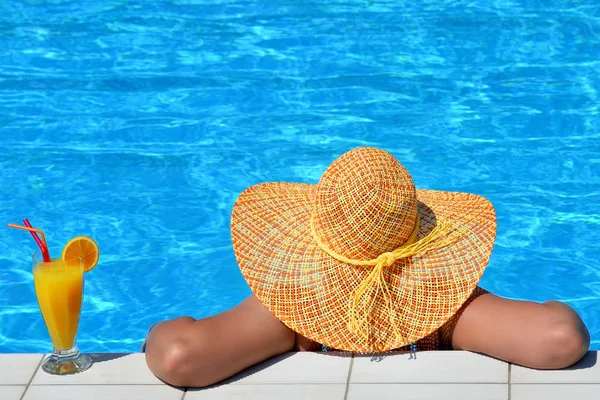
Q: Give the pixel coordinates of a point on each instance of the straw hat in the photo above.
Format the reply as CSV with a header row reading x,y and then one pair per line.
x,y
362,261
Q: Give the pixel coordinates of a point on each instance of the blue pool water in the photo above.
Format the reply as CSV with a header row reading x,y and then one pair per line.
x,y
139,123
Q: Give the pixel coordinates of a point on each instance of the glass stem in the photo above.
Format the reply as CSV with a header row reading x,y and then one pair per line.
x,y
72,352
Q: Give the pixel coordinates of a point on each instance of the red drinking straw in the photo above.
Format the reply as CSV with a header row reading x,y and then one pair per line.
x,y
43,245
37,239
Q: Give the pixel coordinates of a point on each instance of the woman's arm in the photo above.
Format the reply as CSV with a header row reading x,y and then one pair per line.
x,y
543,336
190,353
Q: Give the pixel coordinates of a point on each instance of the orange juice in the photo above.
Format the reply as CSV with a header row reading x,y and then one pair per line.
x,y
59,290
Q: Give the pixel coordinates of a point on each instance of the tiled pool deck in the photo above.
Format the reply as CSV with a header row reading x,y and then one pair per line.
x,y
314,376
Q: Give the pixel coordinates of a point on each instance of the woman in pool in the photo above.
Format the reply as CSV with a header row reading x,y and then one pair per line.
x,y
362,262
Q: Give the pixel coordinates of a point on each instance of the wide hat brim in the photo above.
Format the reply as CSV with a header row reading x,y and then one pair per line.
x,y
309,291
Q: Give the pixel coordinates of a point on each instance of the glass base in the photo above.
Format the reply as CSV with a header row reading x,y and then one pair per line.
x,y
66,362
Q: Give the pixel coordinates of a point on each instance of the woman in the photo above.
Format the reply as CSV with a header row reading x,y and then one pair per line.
x,y
362,262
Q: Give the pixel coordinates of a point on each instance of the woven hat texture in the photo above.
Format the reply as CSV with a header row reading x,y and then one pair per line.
x,y
300,248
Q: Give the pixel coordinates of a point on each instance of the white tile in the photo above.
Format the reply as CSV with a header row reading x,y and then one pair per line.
x,y
17,369
11,392
429,367
108,368
429,391
261,392
103,392
301,367
555,391
585,371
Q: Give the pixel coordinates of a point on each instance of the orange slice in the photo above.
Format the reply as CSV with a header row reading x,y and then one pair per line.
x,y
81,250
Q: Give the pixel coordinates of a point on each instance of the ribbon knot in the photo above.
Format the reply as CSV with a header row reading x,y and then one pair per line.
x,y
387,259
364,299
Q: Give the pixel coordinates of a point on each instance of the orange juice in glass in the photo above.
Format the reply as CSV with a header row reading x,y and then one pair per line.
x,y
59,291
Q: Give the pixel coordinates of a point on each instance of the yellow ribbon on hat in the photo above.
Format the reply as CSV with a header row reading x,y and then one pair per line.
x,y
361,305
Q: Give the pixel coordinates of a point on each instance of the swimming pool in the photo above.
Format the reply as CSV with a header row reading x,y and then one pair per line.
x,y
139,124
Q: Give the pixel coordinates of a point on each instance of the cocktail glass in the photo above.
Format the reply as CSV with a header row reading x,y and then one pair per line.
x,y
59,291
